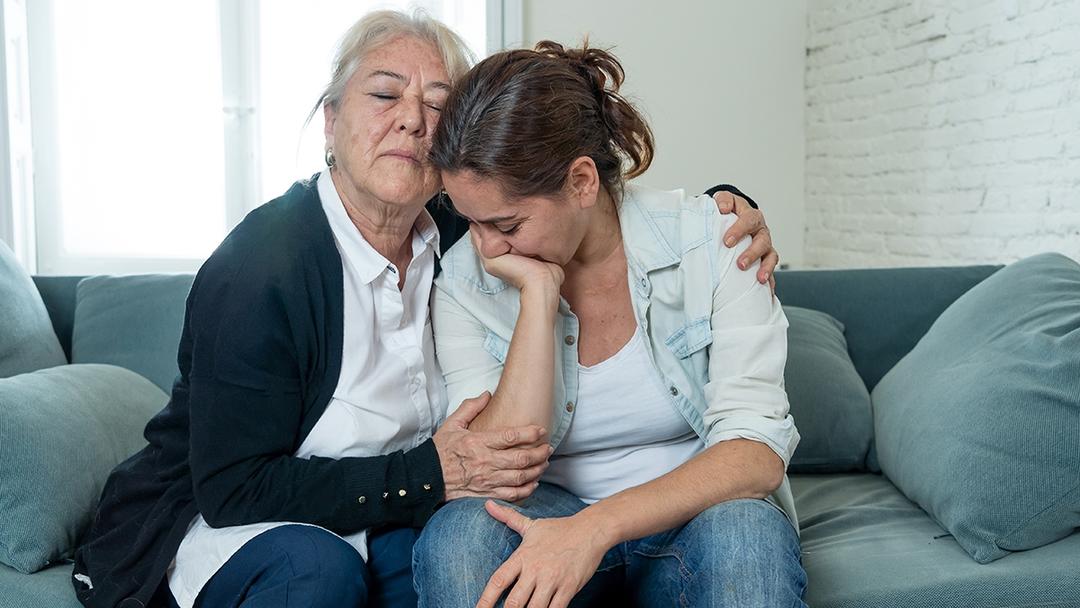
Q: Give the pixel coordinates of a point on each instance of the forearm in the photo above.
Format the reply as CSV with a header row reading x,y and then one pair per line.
x,y
524,393
738,468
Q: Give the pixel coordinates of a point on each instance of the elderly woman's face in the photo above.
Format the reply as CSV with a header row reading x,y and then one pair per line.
x,y
381,129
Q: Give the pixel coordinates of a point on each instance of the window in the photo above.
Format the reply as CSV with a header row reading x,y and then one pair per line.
x,y
157,125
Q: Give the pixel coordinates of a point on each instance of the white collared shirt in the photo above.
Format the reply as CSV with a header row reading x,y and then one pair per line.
x,y
390,393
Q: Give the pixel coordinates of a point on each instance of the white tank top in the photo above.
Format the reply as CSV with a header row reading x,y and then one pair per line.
x,y
626,430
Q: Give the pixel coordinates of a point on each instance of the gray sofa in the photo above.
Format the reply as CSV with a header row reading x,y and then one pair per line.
x,y
864,543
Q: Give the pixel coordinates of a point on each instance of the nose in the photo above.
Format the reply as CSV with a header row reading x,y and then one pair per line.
x,y
411,116
493,243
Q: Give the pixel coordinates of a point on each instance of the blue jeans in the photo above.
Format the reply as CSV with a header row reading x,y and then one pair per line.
x,y
305,566
741,553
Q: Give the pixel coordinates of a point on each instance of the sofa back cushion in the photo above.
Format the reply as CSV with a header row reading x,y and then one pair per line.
x,y
133,322
62,430
884,310
980,423
27,339
829,401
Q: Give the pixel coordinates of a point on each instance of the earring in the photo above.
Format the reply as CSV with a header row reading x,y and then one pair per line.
x,y
330,160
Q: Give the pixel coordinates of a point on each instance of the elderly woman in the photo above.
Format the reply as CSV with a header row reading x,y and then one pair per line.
x,y
614,316
298,457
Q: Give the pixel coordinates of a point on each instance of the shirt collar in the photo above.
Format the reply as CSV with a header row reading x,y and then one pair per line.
x,y
368,262
649,227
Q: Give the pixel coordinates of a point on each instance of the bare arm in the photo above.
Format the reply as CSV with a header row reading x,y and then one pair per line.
x,y
524,394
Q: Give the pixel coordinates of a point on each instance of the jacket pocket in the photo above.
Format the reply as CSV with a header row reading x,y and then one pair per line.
x,y
496,346
690,338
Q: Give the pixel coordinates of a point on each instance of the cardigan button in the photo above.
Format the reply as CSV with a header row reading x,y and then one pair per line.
x,y
427,486
401,492
569,340
569,406
362,499
674,392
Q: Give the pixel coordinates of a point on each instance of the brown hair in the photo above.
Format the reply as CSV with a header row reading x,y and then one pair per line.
x,y
523,116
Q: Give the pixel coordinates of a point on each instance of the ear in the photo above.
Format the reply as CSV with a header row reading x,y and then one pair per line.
x,y
583,181
329,118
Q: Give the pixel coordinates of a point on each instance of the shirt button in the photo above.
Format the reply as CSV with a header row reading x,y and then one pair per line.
x,y
674,392
569,340
569,406
401,492
362,499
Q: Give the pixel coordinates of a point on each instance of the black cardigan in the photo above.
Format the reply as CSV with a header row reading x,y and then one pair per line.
x,y
259,359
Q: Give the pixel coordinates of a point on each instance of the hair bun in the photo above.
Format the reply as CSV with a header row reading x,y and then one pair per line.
x,y
598,66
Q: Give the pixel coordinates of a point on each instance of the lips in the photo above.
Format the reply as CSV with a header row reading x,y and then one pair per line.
x,y
403,154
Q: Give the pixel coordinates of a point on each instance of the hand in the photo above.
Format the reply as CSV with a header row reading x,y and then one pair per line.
x,y
750,221
505,463
518,270
556,558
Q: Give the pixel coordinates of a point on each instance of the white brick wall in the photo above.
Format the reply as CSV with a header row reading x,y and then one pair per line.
x,y
941,132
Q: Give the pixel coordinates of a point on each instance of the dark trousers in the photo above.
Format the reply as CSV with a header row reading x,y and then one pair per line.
x,y
304,566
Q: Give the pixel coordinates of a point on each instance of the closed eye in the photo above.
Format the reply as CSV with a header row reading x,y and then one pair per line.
x,y
510,230
383,96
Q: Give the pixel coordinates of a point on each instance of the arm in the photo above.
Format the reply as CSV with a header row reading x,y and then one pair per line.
x,y
523,385
246,408
750,437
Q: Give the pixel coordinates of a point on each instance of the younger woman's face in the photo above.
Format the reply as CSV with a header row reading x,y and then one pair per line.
x,y
548,228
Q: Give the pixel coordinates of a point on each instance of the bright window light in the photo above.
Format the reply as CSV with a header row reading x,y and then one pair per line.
x,y
139,128
158,125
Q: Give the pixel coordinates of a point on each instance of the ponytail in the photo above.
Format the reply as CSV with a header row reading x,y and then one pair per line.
x,y
523,116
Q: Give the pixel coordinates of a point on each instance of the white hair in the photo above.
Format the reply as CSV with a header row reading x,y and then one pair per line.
x,y
379,27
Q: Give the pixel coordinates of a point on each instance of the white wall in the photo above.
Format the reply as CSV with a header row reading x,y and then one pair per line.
x,y
942,131
722,84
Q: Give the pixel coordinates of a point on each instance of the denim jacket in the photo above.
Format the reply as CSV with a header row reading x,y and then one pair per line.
x,y
717,337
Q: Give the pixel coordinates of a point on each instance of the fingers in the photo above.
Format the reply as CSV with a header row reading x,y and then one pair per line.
x,y
523,458
523,589
725,202
759,247
513,520
512,494
499,582
541,595
750,223
469,410
515,436
562,598
772,284
517,477
766,273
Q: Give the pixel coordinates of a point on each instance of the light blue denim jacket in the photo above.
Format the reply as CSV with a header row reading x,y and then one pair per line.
x,y
717,337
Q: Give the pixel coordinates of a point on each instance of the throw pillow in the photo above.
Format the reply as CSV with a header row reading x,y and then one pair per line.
x,y
980,423
133,322
27,339
62,430
829,401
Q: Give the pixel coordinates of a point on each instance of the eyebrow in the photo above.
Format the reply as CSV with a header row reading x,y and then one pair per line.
x,y
436,84
491,220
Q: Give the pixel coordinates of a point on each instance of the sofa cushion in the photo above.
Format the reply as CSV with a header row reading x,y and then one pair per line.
x,y
50,588
131,321
27,339
829,401
980,423
864,544
62,430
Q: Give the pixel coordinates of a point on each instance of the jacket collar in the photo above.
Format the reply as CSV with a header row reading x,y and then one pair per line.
x,y
650,221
